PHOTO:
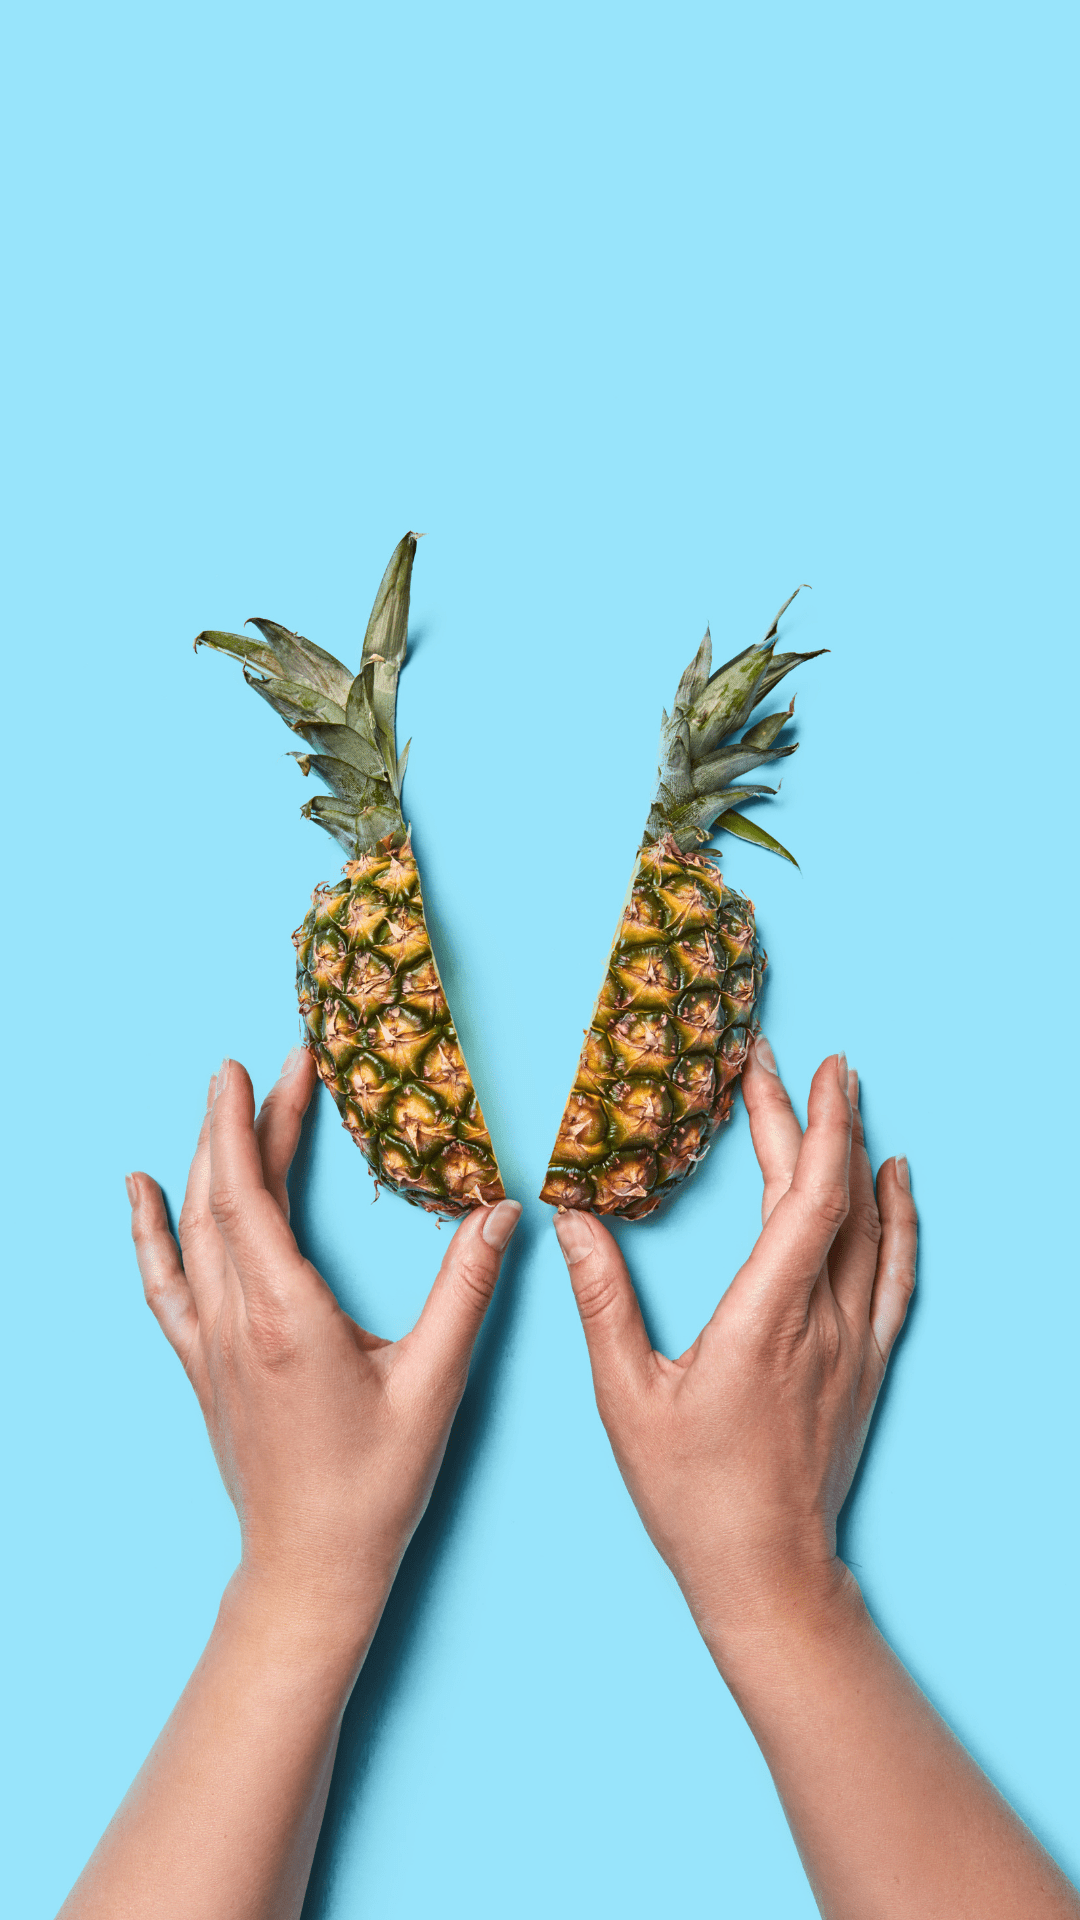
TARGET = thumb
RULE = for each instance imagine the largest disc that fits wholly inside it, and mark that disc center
(445, 1334)
(619, 1347)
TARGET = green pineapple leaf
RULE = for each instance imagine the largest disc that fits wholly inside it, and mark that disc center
(297, 705)
(765, 732)
(696, 678)
(717, 769)
(359, 714)
(353, 827)
(301, 660)
(346, 781)
(744, 829)
(385, 643)
(346, 744)
(771, 635)
(241, 647)
(779, 665)
(728, 700)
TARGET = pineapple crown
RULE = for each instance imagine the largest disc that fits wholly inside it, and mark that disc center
(696, 794)
(350, 721)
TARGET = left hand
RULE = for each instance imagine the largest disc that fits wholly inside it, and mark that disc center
(328, 1438)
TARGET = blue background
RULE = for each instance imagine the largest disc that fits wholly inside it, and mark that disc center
(644, 315)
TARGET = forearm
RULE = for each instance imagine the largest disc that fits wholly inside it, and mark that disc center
(224, 1816)
(892, 1818)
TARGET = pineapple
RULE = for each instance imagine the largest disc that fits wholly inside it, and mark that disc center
(673, 1023)
(374, 1011)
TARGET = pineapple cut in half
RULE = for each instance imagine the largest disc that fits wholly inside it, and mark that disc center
(672, 1026)
(374, 1012)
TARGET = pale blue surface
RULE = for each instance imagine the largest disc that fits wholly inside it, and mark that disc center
(644, 315)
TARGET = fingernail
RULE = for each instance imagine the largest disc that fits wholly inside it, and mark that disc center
(764, 1054)
(290, 1062)
(222, 1077)
(132, 1189)
(211, 1091)
(841, 1071)
(903, 1172)
(853, 1089)
(575, 1236)
(500, 1223)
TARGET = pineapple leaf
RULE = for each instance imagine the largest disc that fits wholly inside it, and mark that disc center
(297, 705)
(358, 712)
(346, 744)
(300, 660)
(696, 678)
(387, 628)
(252, 652)
(780, 664)
(718, 769)
(771, 635)
(692, 821)
(401, 766)
(355, 828)
(385, 643)
(728, 700)
(765, 732)
(346, 781)
(744, 829)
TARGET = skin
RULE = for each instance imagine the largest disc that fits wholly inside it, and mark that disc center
(328, 1440)
(739, 1456)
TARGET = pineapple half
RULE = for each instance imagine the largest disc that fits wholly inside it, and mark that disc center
(672, 1026)
(374, 1011)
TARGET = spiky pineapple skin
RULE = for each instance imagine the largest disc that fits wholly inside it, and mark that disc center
(384, 1043)
(669, 1038)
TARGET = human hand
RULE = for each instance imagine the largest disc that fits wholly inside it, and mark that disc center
(328, 1438)
(740, 1453)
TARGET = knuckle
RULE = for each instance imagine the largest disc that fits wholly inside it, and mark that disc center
(866, 1222)
(830, 1202)
(475, 1280)
(226, 1207)
(192, 1223)
(273, 1335)
(595, 1297)
(154, 1292)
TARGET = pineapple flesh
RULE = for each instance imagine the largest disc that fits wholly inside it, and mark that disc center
(374, 1012)
(672, 1026)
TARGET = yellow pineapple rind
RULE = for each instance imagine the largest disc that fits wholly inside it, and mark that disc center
(669, 1038)
(377, 1021)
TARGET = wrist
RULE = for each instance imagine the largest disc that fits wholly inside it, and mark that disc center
(306, 1623)
(773, 1606)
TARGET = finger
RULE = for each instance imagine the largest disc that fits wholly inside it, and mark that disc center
(445, 1334)
(165, 1285)
(795, 1240)
(277, 1128)
(895, 1282)
(252, 1226)
(620, 1350)
(774, 1129)
(200, 1242)
(853, 1260)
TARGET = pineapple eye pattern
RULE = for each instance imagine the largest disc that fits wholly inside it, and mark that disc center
(672, 1026)
(374, 1011)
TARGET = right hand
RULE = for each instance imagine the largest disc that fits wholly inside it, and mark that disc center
(740, 1453)
(328, 1438)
